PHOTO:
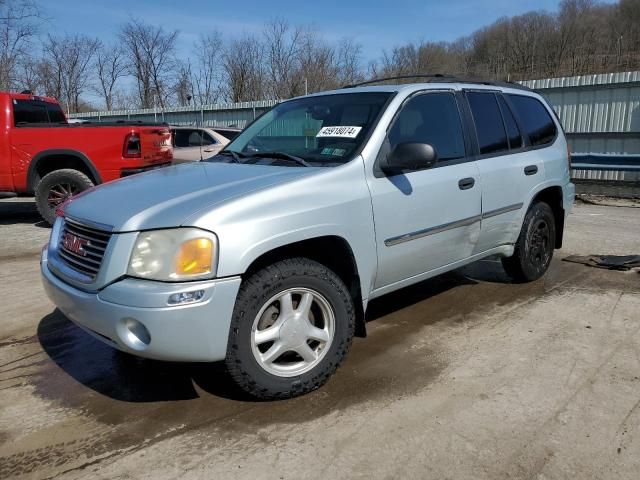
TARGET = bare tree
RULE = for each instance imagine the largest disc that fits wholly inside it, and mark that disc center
(244, 69)
(110, 67)
(317, 64)
(349, 61)
(183, 87)
(286, 60)
(48, 78)
(151, 60)
(207, 75)
(68, 60)
(281, 47)
(19, 24)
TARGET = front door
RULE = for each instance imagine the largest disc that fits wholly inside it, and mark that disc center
(429, 218)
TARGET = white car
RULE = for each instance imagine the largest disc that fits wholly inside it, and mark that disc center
(192, 144)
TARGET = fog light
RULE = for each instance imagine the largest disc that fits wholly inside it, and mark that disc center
(186, 297)
(135, 334)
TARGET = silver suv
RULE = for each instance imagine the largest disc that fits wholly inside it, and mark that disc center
(266, 255)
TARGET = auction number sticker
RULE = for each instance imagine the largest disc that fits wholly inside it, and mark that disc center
(344, 132)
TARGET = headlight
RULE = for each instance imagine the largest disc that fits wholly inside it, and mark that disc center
(175, 254)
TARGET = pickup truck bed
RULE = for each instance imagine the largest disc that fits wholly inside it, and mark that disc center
(42, 154)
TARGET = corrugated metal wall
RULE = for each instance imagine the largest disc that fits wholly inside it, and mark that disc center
(223, 115)
(600, 113)
(598, 110)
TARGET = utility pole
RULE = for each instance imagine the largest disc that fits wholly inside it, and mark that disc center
(619, 50)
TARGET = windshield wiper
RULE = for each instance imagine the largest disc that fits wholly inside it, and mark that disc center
(283, 155)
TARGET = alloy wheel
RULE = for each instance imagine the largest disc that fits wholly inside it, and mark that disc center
(292, 332)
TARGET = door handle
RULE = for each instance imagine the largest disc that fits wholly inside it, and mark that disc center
(531, 170)
(466, 183)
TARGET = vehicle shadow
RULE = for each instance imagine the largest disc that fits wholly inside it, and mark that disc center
(127, 378)
(484, 271)
(14, 211)
(121, 376)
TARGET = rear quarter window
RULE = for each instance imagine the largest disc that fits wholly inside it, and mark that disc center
(27, 112)
(535, 119)
(492, 137)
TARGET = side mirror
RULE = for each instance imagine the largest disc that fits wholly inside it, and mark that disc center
(409, 156)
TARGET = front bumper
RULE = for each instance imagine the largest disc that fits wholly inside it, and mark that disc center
(195, 332)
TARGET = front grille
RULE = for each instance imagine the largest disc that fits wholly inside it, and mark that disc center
(88, 257)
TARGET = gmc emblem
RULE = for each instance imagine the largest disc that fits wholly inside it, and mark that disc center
(74, 244)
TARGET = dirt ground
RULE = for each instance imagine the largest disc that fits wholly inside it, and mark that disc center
(465, 376)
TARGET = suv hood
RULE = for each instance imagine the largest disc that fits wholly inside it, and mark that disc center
(165, 197)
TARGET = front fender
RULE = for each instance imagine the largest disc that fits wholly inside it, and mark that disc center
(334, 203)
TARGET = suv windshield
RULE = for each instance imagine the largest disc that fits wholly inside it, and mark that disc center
(321, 130)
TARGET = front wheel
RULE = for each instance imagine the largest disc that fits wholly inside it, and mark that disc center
(292, 326)
(56, 187)
(534, 247)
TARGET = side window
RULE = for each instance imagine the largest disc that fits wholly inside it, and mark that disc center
(492, 137)
(181, 138)
(535, 119)
(208, 139)
(431, 118)
(55, 113)
(513, 132)
(198, 138)
(28, 111)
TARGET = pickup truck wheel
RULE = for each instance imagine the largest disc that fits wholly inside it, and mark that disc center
(56, 187)
(534, 247)
(292, 326)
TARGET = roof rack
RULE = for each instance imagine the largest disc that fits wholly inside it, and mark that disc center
(442, 78)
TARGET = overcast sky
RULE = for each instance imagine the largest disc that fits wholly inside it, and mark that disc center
(375, 24)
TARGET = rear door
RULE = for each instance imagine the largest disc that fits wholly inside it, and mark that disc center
(508, 173)
(429, 218)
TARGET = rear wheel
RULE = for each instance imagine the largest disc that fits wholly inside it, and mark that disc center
(56, 187)
(292, 326)
(534, 248)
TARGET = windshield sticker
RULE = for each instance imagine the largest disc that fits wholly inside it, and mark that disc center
(345, 132)
(327, 151)
(339, 152)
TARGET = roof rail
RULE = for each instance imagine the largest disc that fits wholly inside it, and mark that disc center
(443, 78)
(439, 76)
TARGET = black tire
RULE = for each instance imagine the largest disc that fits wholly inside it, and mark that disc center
(534, 247)
(255, 292)
(56, 187)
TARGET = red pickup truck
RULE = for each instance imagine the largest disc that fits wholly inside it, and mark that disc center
(42, 154)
